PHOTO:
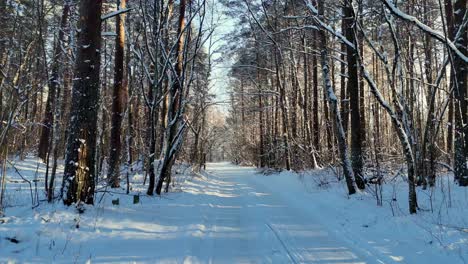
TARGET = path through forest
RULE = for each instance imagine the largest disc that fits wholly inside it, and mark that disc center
(245, 222)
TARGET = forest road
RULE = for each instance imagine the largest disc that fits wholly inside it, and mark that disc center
(248, 221)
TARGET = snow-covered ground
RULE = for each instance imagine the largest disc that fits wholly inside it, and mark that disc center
(234, 214)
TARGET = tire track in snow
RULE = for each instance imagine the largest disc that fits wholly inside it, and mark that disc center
(290, 256)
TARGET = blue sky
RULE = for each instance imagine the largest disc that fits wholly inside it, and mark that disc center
(223, 25)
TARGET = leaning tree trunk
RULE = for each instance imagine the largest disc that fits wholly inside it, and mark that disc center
(80, 169)
(175, 94)
(118, 101)
(340, 133)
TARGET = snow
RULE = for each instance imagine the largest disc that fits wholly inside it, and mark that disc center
(108, 34)
(386, 233)
(232, 214)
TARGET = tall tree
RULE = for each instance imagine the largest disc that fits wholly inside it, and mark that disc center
(353, 87)
(119, 97)
(315, 95)
(460, 91)
(175, 94)
(80, 164)
(53, 85)
(343, 145)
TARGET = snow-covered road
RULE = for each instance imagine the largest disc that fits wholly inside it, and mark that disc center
(246, 222)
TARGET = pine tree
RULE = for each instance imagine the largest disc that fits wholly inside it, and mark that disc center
(80, 164)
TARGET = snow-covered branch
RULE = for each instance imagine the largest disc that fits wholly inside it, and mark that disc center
(115, 13)
(434, 33)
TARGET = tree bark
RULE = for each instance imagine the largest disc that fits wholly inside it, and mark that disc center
(460, 91)
(80, 169)
(315, 101)
(353, 87)
(175, 93)
(343, 146)
(118, 101)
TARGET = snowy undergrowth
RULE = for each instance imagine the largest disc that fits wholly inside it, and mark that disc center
(440, 227)
(34, 231)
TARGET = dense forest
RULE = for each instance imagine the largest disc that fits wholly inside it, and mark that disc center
(361, 84)
(85, 82)
(95, 94)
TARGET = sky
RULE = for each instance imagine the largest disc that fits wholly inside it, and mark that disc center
(224, 25)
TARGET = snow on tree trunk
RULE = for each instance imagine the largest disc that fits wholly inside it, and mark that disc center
(341, 136)
(80, 161)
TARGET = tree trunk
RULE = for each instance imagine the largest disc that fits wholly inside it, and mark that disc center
(54, 83)
(315, 101)
(175, 93)
(305, 113)
(451, 31)
(344, 92)
(353, 87)
(118, 101)
(343, 146)
(428, 148)
(460, 91)
(284, 112)
(80, 169)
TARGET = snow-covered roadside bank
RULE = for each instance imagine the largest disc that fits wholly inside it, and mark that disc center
(107, 232)
(437, 235)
